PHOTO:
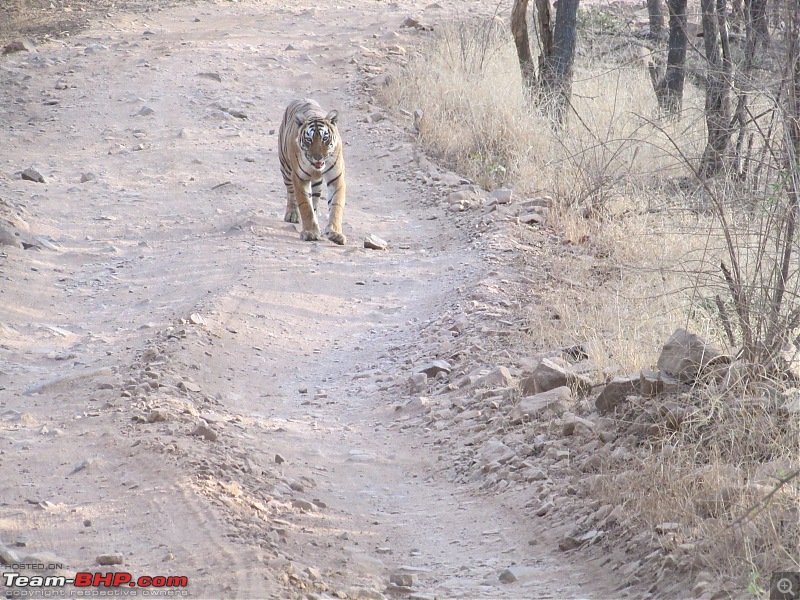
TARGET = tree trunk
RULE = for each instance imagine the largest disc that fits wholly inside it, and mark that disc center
(557, 73)
(519, 28)
(655, 9)
(669, 87)
(757, 17)
(544, 21)
(718, 86)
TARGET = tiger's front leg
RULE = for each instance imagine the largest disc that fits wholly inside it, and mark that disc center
(291, 215)
(336, 198)
(308, 216)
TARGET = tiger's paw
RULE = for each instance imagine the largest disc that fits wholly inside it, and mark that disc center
(336, 237)
(292, 216)
(310, 236)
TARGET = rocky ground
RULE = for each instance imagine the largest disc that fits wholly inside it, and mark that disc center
(187, 389)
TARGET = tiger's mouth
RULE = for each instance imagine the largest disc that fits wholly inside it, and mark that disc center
(318, 164)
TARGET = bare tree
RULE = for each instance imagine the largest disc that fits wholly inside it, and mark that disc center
(668, 84)
(719, 84)
(552, 82)
(519, 29)
(556, 76)
(655, 10)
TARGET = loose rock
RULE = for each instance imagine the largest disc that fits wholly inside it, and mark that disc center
(685, 355)
(433, 368)
(501, 196)
(110, 559)
(205, 432)
(402, 578)
(24, 45)
(556, 400)
(373, 242)
(32, 174)
(616, 391)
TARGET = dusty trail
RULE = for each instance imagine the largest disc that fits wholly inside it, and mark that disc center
(300, 350)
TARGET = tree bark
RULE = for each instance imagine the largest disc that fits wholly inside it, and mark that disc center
(655, 10)
(718, 86)
(557, 73)
(519, 28)
(757, 17)
(544, 22)
(669, 87)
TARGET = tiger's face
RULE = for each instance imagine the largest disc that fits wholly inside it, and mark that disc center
(317, 139)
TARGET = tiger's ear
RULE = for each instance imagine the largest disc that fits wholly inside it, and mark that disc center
(299, 120)
(332, 116)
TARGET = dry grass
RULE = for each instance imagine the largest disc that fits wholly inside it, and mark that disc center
(642, 245)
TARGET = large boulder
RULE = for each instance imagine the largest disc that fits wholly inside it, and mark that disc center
(685, 355)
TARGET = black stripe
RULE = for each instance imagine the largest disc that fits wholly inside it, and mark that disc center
(334, 179)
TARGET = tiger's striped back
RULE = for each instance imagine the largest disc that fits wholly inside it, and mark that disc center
(310, 153)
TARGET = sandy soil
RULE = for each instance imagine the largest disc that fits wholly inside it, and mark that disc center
(186, 383)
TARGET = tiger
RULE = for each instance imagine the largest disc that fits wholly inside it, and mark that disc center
(310, 152)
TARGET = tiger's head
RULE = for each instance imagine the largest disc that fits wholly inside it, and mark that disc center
(318, 138)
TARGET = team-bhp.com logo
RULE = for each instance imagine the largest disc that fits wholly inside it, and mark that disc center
(90, 584)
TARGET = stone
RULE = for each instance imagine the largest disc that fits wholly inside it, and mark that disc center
(497, 377)
(544, 508)
(205, 432)
(363, 593)
(413, 22)
(402, 578)
(569, 542)
(418, 382)
(31, 174)
(685, 356)
(433, 368)
(279, 459)
(115, 558)
(508, 576)
(157, 415)
(501, 195)
(145, 111)
(209, 75)
(531, 218)
(85, 177)
(659, 382)
(304, 505)
(572, 421)
(497, 451)
(556, 401)
(8, 237)
(373, 242)
(23, 45)
(549, 375)
(592, 463)
(8, 556)
(616, 391)
(188, 386)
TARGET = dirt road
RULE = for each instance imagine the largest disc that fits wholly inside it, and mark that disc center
(187, 385)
